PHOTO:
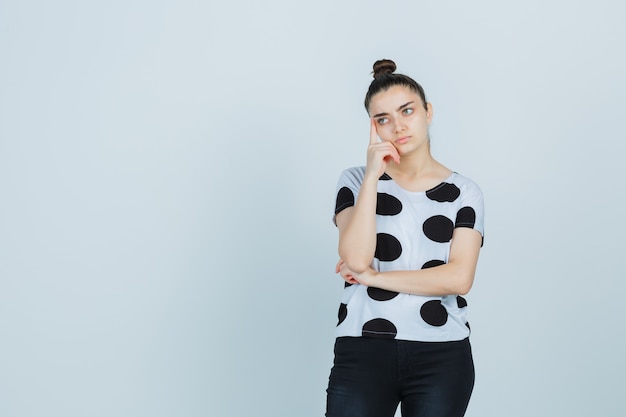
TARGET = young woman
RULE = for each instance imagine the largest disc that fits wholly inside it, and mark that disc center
(410, 231)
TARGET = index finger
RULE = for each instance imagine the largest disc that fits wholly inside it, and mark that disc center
(373, 132)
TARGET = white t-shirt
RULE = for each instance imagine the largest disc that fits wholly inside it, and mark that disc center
(414, 230)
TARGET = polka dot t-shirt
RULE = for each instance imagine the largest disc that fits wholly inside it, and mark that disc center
(414, 230)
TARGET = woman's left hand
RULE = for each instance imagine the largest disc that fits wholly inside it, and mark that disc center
(364, 278)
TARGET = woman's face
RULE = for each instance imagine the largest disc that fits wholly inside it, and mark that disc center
(401, 118)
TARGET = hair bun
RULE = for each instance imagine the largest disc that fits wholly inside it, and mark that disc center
(383, 66)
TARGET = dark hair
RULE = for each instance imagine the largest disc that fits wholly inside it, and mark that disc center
(385, 78)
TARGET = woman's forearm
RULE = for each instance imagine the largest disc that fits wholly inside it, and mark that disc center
(441, 280)
(454, 277)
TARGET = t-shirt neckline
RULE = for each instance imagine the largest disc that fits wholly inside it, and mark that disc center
(444, 181)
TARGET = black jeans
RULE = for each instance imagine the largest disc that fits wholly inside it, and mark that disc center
(371, 376)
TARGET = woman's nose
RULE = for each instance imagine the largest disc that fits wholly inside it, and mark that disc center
(398, 126)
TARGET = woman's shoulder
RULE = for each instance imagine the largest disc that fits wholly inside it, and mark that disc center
(352, 175)
(461, 180)
(354, 171)
(468, 189)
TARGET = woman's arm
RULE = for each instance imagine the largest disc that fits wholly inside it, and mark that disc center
(357, 228)
(454, 278)
(357, 224)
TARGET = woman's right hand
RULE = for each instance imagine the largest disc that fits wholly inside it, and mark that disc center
(379, 153)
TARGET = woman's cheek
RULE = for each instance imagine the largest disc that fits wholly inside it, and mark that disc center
(383, 133)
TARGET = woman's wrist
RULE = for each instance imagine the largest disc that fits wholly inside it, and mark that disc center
(369, 277)
(370, 178)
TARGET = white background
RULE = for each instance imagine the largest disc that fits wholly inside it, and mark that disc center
(167, 179)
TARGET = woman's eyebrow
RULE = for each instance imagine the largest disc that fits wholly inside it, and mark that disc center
(399, 108)
(404, 105)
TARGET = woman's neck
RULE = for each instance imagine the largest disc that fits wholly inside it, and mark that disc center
(414, 165)
(418, 172)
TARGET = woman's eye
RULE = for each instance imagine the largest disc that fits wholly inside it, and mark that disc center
(408, 110)
(382, 120)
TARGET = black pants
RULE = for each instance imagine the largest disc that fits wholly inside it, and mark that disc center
(371, 376)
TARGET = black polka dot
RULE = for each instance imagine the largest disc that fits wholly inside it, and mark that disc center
(347, 284)
(438, 228)
(467, 325)
(387, 205)
(388, 248)
(384, 177)
(343, 312)
(379, 294)
(444, 192)
(345, 199)
(465, 217)
(461, 302)
(379, 328)
(433, 263)
(434, 313)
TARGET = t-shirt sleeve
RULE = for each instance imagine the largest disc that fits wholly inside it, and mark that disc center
(471, 213)
(347, 190)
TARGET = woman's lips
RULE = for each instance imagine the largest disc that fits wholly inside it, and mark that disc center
(402, 140)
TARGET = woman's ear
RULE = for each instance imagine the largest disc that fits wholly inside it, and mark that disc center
(429, 112)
